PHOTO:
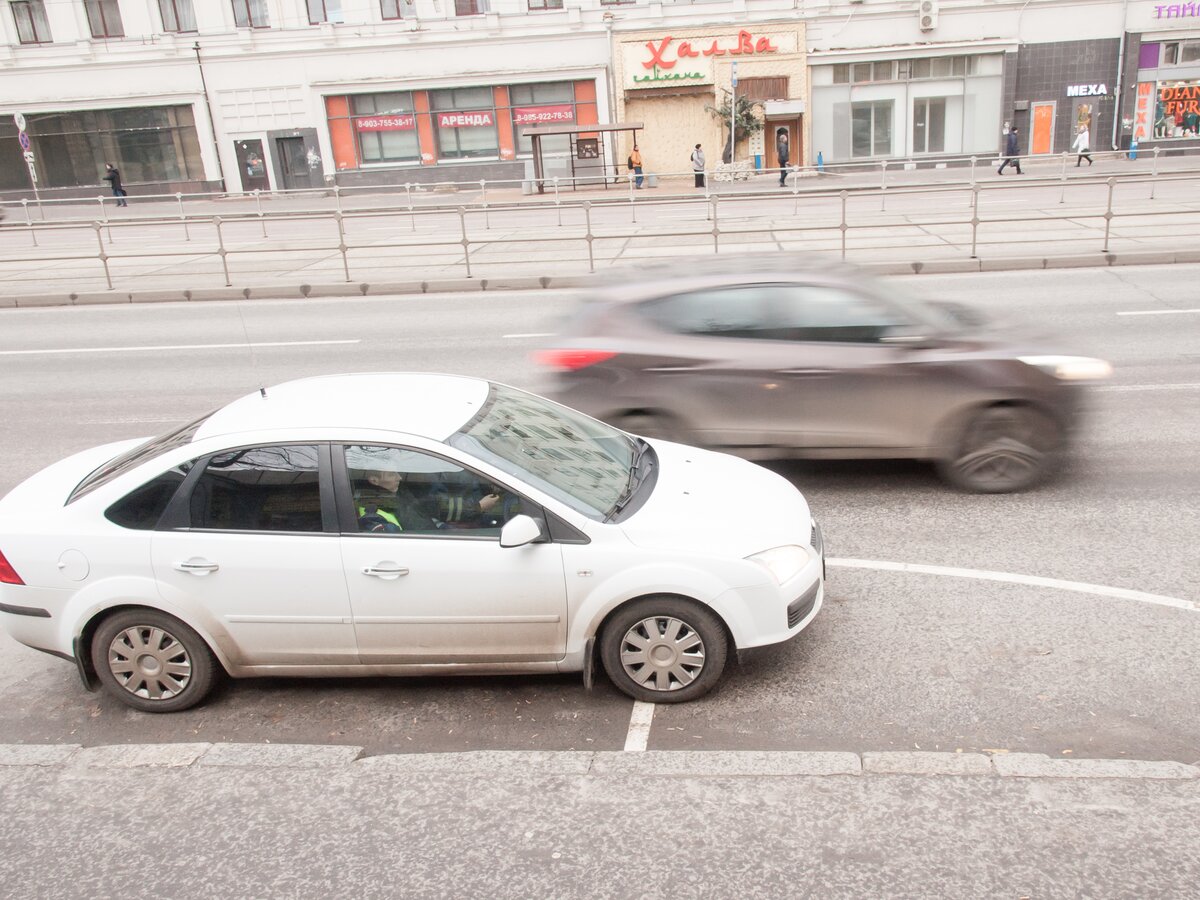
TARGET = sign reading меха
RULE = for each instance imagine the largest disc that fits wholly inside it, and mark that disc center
(670, 61)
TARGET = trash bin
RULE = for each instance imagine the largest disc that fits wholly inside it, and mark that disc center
(526, 188)
(651, 180)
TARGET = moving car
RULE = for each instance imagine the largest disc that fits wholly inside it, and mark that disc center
(405, 524)
(770, 356)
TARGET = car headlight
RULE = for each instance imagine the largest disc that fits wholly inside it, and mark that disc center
(1071, 368)
(783, 563)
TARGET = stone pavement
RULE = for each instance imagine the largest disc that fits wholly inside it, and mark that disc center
(214, 820)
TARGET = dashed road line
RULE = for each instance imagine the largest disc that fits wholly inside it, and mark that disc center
(173, 347)
(1157, 312)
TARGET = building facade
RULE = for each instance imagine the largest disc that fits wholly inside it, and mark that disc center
(212, 95)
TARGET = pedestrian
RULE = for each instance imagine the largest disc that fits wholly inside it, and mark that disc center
(635, 165)
(1011, 149)
(698, 165)
(113, 177)
(1082, 146)
(783, 151)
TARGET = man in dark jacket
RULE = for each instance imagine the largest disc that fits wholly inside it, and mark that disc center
(113, 177)
(1011, 149)
(783, 151)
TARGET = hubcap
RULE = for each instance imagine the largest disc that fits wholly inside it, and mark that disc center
(1003, 449)
(149, 662)
(662, 653)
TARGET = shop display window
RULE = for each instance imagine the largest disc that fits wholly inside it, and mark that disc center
(543, 104)
(871, 128)
(464, 121)
(1177, 111)
(386, 129)
(929, 125)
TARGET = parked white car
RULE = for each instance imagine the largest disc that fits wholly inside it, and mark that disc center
(403, 524)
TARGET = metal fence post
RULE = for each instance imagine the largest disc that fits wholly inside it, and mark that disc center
(587, 217)
(462, 221)
(883, 185)
(1154, 174)
(182, 217)
(632, 206)
(487, 221)
(258, 206)
(974, 159)
(102, 255)
(1108, 213)
(412, 218)
(29, 222)
(342, 248)
(558, 203)
(104, 217)
(974, 220)
(716, 229)
(843, 195)
(221, 251)
(1063, 196)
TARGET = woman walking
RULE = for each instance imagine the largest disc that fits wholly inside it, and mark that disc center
(1082, 146)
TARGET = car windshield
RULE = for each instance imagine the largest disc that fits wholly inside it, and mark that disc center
(575, 459)
(926, 312)
(118, 465)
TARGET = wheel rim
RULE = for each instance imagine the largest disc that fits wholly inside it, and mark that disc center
(1002, 450)
(662, 653)
(149, 662)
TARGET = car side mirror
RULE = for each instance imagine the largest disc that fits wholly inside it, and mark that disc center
(519, 531)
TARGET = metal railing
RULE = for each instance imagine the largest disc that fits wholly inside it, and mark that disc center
(498, 233)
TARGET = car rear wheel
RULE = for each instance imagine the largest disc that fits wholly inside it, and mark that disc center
(663, 650)
(1003, 449)
(152, 661)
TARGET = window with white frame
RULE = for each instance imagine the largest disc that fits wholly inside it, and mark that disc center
(251, 14)
(871, 128)
(177, 15)
(537, 5)
(397, 9)
(470, 7)
(929, 125)
(104, 18)
(324, 11)
(30, 16)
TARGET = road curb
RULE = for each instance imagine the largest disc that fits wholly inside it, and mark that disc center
(592, 764)
(490, 284)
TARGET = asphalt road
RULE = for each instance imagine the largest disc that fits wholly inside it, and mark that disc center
(898, 660)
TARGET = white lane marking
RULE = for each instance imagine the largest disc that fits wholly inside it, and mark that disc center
(1014, 578)
(532, 334)
(1147, 387)
(1157, 312)
(639, 726)
(175, 347)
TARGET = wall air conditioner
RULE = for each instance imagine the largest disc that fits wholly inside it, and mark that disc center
(928, 12)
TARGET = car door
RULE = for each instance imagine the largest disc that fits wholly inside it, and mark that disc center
(245, 546)
(431, 584)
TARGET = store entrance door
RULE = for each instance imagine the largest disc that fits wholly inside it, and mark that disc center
(795, 151)
(252, 166)
(293, 162)
(1041, 130)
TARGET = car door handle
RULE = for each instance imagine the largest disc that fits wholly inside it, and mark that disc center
(196, 566)
(813, 372)
(388, 573)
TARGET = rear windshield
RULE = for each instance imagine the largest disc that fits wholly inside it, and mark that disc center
(119, 465)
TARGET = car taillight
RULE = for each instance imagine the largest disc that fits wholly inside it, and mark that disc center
(8, 575)
(571, 360)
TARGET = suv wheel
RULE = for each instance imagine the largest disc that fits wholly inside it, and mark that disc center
(152, 661)
(1002, 449)
(663, 649)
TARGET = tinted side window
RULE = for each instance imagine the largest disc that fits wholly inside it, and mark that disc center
(143, 507)
(810, 312)
(722, 312)
(259, 489)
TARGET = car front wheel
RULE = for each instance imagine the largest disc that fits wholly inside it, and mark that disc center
(152, 661)
(664, 650)
(1003, 449)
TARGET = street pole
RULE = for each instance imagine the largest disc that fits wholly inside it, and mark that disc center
(733, 114)
(212, 123)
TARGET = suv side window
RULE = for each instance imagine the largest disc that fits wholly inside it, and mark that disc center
(401, 491)
(737, 312)
(814, 312)
(260, 489)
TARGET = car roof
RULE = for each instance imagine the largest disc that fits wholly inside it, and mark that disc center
(418, 403)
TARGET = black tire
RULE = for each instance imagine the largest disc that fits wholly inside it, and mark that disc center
(174, 662)
(1004, 449)
(679, 676)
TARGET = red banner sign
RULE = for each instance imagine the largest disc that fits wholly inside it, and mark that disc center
(666, 52)
(406, 122)
(465, 119)
(532, 115)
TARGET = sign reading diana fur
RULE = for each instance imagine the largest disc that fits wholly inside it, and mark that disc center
(668, 60)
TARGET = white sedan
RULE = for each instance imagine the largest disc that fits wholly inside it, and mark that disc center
(403, 524)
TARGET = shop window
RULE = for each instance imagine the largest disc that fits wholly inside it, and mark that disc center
(536, 5)
(30, 16)
(465, 121)
(397, 9)
(543, 104)
(177, 15)
(470, 7)
(920, 68)
(841, 73)
(871, 128)
(1170, 56)
(386, 127)
(104, 18)
(250, 14)
(324, 11)
(929, 125)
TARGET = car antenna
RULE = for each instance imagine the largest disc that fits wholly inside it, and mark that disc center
(262, 388)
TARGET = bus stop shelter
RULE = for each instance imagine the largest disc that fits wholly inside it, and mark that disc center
(582, 148)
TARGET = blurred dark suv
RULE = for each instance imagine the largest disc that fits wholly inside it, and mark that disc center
(776, 358)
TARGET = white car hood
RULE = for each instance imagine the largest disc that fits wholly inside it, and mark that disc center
(712, 503)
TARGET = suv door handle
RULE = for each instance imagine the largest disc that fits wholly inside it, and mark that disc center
(386, 572)
(196, 566)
